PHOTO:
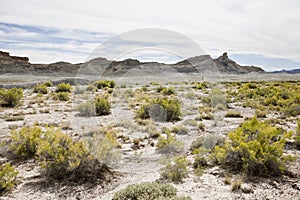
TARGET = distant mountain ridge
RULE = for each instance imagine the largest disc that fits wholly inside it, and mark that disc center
(292, 71)
(222, 64)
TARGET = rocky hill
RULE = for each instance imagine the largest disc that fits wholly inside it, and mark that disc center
(223, 64)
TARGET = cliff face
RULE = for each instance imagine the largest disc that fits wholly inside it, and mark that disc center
(21, 65)
(227, 65)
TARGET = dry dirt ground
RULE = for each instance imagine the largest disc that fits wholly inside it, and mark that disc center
(143, 164)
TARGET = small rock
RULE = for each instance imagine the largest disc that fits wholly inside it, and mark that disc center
(246, 188)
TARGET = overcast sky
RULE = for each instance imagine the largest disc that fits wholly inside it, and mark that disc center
(259, 32)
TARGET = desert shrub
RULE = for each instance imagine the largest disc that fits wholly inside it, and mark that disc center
(10, 97)
(149, 191)
(60, 155)
(297, 137)
(206, 116)
(200, 86)
(103, 146)
(176, 170)
(256, 148)
(25, 141)
(236, 184)
(180, 130)
(8, 176)
(234, 114)
(63, 96)
(292, 110)
(102, 106)
(168, 107)
(201, 158)
(261, 113)
(79, 89)
(105, 84)
(63, 87)
(165, 90)
(218, 99)
(87, 109)
(41, 89)
(209, 141)
(48, 84)
(110, 90)
(12, 118)
(169, 144)
(91, 88)
(201, 126)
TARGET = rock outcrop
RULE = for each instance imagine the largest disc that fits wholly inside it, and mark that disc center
(102, 66)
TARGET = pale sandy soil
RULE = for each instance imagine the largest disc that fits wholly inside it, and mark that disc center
(141, 165)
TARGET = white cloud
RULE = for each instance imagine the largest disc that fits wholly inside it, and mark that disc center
(266, 27)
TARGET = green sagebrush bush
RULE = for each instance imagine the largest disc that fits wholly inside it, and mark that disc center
(256, 148)
(24, 142)
(60, 156)
(87, 109)
(63, 87)
(41, 89)
(99, 106)
(149, 191)
(169, 144)
(297, 138)
(63, 96)
(170, 107)
(48, 84)
(165, 90)
(102, 106)
(10, 97)
(8, 176)
(175, 170)
(105, 84)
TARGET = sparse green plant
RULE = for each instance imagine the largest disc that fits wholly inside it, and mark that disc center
(236, 184)
(256, 148)
(152, 130)
(201, 126)
(149, 191)
(63, 96)
(91, 88)
(41, 89)
(261, 113)
(233, 114)
(79, 89)
(63, 87)
(102, 146)
(102, 106)
(175, 170)
(101, 84)
(8, 175)
(24, 142)
(61, 156)
(169, 144)
(167, 91)
(10, 97)
(180, 130)
(200, 86)
(171, 108)
(87, 109)
(201, 158)
(14, 118)
(48, 84)
(297, 137)
(227, 180)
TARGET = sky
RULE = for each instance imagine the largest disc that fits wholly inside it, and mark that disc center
(263, 33)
